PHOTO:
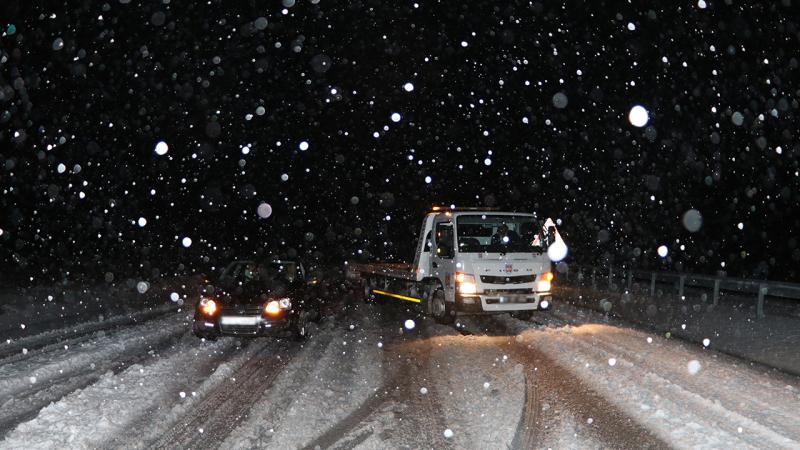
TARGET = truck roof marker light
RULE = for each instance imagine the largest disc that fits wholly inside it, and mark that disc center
(397, 296)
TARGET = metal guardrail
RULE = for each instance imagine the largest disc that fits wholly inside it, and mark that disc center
(716, 284)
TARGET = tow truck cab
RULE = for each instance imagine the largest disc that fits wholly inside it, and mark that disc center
(486, 261)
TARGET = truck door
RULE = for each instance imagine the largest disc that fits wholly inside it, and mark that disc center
(442, 266)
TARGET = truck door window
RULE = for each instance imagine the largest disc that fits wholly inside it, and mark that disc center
(444, 240)
(428, 242)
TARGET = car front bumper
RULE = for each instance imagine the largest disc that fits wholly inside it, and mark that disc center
(241, 326)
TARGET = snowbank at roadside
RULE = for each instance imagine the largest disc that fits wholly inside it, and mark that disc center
(731, 326)
(692, 398)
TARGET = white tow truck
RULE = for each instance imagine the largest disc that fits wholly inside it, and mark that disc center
(470, 261)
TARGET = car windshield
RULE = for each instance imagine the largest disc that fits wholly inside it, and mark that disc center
(245, 273)
(478, 233)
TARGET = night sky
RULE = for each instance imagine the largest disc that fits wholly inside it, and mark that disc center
(519, 105)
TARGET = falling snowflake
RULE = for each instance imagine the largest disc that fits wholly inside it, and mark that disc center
(638, 116)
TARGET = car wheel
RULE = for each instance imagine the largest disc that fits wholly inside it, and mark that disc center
(304, 327)
(442, 313)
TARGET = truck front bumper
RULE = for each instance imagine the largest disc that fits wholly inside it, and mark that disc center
(500, 302)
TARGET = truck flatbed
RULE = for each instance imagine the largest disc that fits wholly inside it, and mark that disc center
(400, 271)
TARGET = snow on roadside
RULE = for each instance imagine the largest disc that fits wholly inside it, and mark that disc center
(95, 354)
(57, 338)
(731, 326)
(722, 404)
(25, 312)
(336, 372)
(90, 417)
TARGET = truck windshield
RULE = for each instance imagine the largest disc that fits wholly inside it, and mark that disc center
(497, 234)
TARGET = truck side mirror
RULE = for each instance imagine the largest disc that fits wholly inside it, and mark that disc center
(551, 235)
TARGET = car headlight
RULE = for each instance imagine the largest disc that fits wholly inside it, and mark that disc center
(208, 306)
(543, 286)
(466, 283)
(274, 307)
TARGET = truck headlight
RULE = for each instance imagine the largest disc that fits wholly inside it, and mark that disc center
(466, 283)
(543, 286)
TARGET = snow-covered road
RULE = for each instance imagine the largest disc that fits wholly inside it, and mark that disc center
(569, 379)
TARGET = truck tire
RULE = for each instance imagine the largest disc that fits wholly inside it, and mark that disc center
(441, 311)
(522, 315)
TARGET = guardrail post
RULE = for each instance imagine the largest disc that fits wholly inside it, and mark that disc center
(716, 292)
(594, 279)
(762, 291)
(630, 279)
(681, 282)
(652, 285)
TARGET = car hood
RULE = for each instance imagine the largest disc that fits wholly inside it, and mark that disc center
(244, 295)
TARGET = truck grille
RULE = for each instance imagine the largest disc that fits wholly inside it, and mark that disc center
(507, 291)
(491, 279)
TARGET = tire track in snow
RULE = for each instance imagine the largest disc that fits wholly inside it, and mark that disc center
(14, 376)
(56, 339)
(721, 399)
(215, 416)
(547, 382)
(608, 423)
(399, 396)
(26, 403)
(530, 427)
(414, 416)
(198, 371)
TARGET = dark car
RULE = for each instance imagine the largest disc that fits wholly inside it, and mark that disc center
(252, 298)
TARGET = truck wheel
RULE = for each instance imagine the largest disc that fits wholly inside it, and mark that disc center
(440, 310)
(522, 315)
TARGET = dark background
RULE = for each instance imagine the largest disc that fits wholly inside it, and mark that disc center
(135, 72)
